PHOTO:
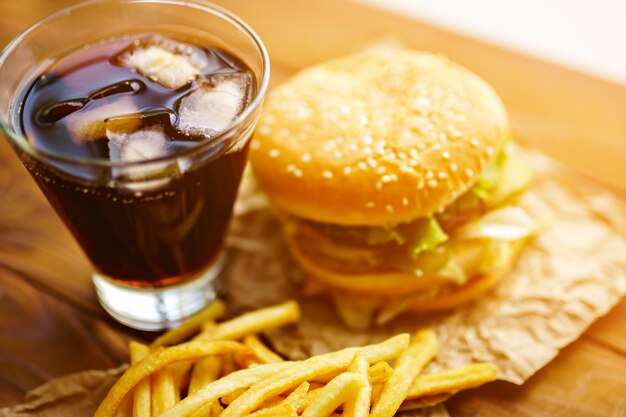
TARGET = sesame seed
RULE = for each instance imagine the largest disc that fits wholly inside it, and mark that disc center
(371, 162)
(345, 109)
(364, 120)
(338, 154)
(303, 136)
(432, 183)
(347, 170)
(437, 146)
(489, 150)
(283, 132)
(389, 208)
(379, 185)
(367, 151)
(405, 201)
(430, 175)
(401, 155)
(362, 165)
(442, 175)
(421, 146)
(456, 134)
(443, 136)
(327, 174)
(255, 145)
(306, 157)
(413, 153)
(265, 130)
(273, 153)
(380, 170)
(420, 185)
(453, 167)
(353, 147)
(469, 172)
(291, 168)
(386, 178)
(368, 140)
(419, 272)
(297, 172)
(445, 155)
(370, 204)
(474, 142)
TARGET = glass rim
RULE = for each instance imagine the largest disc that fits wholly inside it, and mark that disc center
(19, 139)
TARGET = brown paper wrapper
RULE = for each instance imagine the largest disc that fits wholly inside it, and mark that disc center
(571, 274)
(75, 395)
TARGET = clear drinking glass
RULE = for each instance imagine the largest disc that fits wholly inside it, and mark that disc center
(152, 229)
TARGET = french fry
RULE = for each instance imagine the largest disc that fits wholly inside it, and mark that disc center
(453, 380)
(228, 365)
(336, 392)
(358, 405)
(190, 327)
(141, 393)
(377, 373)
(224, 386)
(126, 407)
(164, 392)
(216, 409)
(280, 410)
(245, 359)
(158, 360)
(422, 350)
(229, 398)
(182, 374)
(204, 372)
(294, 400)
(309, 369)
(253, 322)
(261, 352)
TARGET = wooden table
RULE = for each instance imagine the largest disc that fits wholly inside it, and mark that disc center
(51, 323)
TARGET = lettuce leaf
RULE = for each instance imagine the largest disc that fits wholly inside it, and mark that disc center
(423, 235)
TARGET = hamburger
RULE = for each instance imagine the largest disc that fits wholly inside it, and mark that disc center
(395, 180)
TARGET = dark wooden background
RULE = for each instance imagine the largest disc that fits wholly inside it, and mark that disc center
(51, 323)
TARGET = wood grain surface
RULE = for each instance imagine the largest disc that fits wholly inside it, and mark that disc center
(51, 324)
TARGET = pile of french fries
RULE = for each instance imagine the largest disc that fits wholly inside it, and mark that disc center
(208, 369)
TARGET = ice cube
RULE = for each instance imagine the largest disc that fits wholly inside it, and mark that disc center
(127, 123)
(166, 61)
(139, 145)
(212, 107)
(89, 124)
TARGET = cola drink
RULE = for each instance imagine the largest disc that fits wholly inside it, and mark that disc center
(147, 168)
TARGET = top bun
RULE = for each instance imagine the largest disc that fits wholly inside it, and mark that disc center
(376, 138)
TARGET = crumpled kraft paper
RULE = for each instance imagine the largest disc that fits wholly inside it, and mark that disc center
(73, 395)
(574, 272)
(571, 274)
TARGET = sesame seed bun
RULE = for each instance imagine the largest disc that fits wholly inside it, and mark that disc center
(376, 138)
